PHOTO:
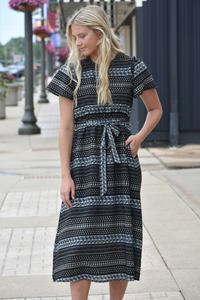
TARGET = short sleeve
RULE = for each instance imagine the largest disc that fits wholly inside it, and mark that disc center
(142, 78)
(61, 84)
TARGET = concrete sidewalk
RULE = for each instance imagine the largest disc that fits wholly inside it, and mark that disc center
(30, 203)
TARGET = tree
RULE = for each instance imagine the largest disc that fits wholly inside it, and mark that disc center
(15, 46)
(1, 52)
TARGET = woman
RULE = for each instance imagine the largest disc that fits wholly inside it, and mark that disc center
(99, 235)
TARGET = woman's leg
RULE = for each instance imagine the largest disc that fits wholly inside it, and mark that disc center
(80, 289)
(117, 289)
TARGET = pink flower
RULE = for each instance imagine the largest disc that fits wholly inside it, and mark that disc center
(41, 29)
(19, 4)
(7, 78)
(64, 53)
(50, 48)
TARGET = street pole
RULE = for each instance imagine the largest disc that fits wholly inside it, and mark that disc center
(43, 97)
(29, 119)
(34, 87)
(49, 64)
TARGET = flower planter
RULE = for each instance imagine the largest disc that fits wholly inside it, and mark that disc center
(30, 7)
(2, 103)
(42, 31)
(12, 95)
(23, 5)
(26, 7)
(43, 35)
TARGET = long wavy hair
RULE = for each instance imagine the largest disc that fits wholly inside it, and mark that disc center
(96, 19)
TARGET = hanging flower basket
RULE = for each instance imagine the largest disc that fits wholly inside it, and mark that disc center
(64, 53)
(22, 5)
(50, 49)
(26, 7)
(42, 31)
(43, 35)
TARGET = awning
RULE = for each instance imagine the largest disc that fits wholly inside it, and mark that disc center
(115, 9)
(91, 1)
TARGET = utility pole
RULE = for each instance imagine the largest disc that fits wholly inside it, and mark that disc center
(43, 97)
(29, 119)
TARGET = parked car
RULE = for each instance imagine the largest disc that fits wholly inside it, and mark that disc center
(16, 70)
(3, 69)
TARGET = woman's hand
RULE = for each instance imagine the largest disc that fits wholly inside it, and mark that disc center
(67, 187)
(134, 142)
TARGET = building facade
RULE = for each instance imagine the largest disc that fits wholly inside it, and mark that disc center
(166, 36)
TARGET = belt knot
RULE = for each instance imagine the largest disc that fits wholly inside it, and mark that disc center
(110, 129)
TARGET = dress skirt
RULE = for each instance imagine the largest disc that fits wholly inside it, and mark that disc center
(100, 237)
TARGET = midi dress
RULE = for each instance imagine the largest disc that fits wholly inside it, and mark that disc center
(100, 237)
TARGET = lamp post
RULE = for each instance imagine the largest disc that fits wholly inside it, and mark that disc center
(43, 97)
(49, 64)
(29, 119)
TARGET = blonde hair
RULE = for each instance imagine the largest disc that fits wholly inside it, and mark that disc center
(96, 19)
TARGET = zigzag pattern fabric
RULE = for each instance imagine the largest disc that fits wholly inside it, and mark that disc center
(100, 237)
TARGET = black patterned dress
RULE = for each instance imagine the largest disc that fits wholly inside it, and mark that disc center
(100, 237)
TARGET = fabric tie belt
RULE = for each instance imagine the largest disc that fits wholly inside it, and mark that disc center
(111, 128)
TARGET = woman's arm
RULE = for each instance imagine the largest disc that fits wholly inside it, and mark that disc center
(66, 132)
(154, 108)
